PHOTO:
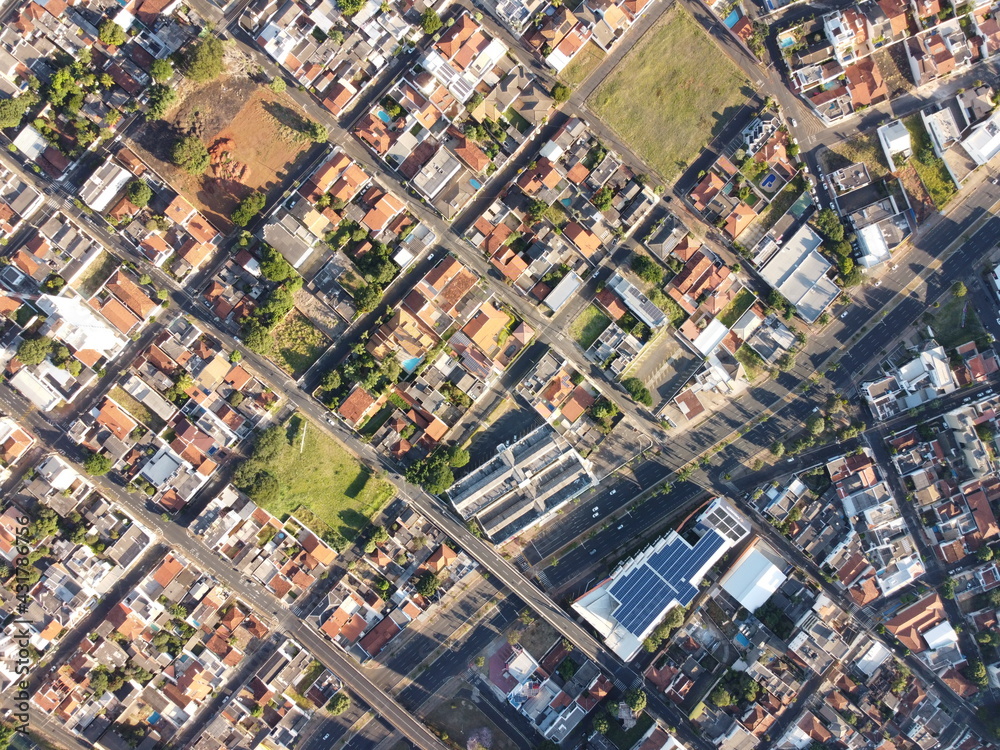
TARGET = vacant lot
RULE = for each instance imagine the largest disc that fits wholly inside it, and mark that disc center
(297, 344)
(136, 409)
(100, 270)
(586, 328)
(467, 726)
(862, 148)
(929, 165)
(254, 136)
(324, 486)
(671, 93)
(950, 329)
(735, 309)
(586, 62)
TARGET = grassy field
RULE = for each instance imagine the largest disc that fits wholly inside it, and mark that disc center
(586, 328)
(297, 344)
(861, 148)
(735, 309)
(324, 486)
(585, 63)
(781, 203)
(674, 312)
(928, 165)
(947, 323)
(97, 273)
(137, 409)
(671, 93)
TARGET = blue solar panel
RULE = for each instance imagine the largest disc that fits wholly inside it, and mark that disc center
(644, 593)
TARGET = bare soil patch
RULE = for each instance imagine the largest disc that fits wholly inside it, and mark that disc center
(920, 199)
(253, 136)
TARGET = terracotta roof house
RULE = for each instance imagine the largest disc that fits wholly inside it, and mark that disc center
(706, 190)
(909, 623)
(112, 416)
(358, 405)
(442, 557)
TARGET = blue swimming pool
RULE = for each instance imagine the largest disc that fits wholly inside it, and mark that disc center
(411, 364)
(384, 116)
(733, 18)
(153, 717)
(742, 640)
(768, 181)
(475, 183)
(567, 202)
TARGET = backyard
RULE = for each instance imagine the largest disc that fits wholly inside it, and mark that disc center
(735, 309)
(586, 62)
(297, 344)
(321, 481)
(588, 326)
(260, 153)
(667, 106)
(928, 165)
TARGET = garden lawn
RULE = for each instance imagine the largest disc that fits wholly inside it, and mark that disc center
(751, 361)
(467, 726)
(297, 343)
(673, 91)
(324, 486)
(588, 326)
(929, 165)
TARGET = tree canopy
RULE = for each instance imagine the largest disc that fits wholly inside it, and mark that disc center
(561, 92)
(427, 585)
(161, 97)
(273, 265)
(12, 111)
(97, 464)
(190, 154)
(635, 699)
(161, 70)
(339, 703)
(646, 268)
(249, 207)
(203, 60)
(33, 351)
(139, 193)
(458, 457)
(430, 21)
(111, 33)
(638, 391)
(350, 7)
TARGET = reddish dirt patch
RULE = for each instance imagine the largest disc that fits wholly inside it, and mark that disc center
(254, 139)
(923, 206)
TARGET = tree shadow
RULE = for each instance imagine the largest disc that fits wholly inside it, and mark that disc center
(286, 116)
(353, 522)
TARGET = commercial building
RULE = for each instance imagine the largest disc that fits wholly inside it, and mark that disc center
(800, 274)
(626, 607)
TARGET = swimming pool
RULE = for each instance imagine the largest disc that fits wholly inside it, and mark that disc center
(733, 18)
(411, 364)
(475, 183)
(384, 116)
(801, 205)
(768, 182)
(742, 640)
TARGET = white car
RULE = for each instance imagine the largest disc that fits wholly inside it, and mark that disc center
(612, 492)
(595, 508)
(621, 526)
(791, 121)
(878, 283)
(843, 315)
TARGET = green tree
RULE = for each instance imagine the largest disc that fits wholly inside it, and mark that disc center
(33, 351)
(161, 70)
(984, 553)
(561, 92)
(458, 457)
(959, 289)
(99, 680)
(778, 449)
(828, 224)
(190, 154)
(111, 33)
(341, 701)
(976, 672)
(635, 699)
(273, 265)
(12, 110)
(139, 193)
(203, 60)
(430, 21)
(427, 585)
(815, 424)
(161, 97)
(367, 298)
(249, 207)
(948, 588)
(638, 391)
(278, 85)
(601, 724)
(97, 464)
(721, 697)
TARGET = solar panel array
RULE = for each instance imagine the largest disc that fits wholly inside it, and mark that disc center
(645, 592)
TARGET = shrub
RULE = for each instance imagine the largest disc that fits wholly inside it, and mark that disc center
(190, 154)
(341, 701)
(638, 391)
(278, 85)
(427, 585)
(249, 207)
(646, 269)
